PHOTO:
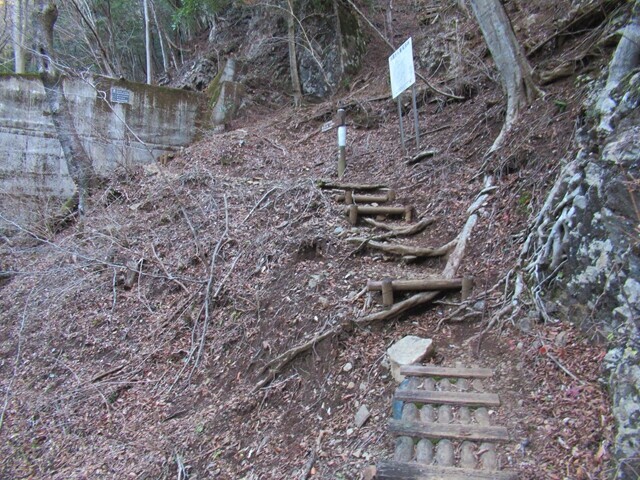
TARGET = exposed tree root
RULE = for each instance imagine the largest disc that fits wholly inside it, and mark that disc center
(398, 231)
(404, 250)
(276, 365)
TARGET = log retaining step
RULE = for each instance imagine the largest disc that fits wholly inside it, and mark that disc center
(453, 431)
(445, 372)
(354, 211)
(389, 470)
(466, 399)
(349, 197)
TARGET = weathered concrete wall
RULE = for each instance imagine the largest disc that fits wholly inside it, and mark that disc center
(153, 121)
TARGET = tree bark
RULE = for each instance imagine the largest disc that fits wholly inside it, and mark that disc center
(336, 12)
(78, 162)
(165, 56)
(510, 60)
(19, 34)
(293, 58)
(147, 41)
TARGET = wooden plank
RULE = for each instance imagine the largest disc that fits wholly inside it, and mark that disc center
(444, 372)
(389, 470)
(451, 431)
(467, 399)
(330, 184)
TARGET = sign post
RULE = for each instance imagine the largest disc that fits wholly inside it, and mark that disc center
(342, 142)
(403, 76)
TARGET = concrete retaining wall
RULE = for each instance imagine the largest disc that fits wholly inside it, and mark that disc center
(119, 123)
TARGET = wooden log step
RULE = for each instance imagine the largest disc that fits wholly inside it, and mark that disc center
(452, 431)
(413, 471)
(444, 372)
(417, 285)
(467, 399)
(331, 185)
(349, 197)
(354, 211)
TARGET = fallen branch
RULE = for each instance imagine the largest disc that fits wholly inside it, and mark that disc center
(278, 363)
(563, 368)
(421, 156)
(312, 458)
(99, 377)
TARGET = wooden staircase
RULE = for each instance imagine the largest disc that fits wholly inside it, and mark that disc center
(443, 427)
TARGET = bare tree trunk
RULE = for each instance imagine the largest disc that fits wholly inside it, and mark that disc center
(512, 64)
(78, 163)
(165, 56)
(147, 41)
(19, 34)
(293, 58)
(388, 23)
(336, 12)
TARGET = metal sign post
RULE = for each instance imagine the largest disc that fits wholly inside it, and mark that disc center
(403, 76)
(404, 147)
(342, 142)
(415, 115)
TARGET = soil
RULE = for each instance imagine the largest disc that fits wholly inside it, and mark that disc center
(132, 341)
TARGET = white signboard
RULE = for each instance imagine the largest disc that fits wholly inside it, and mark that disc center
(401, 68)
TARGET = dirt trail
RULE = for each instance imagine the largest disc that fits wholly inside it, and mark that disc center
(131, 345)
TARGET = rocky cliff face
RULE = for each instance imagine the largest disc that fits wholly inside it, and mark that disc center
(600, 281)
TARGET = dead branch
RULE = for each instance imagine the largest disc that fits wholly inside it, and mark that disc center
(99, 377)
(563, 368)
(278, 363)
(166, 272)
(421, 156)
(404, 250)
(312, 458)
(454, 318)
(262, 199)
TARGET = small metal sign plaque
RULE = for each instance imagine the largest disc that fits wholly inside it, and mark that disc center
(328, 126)
(120, 95)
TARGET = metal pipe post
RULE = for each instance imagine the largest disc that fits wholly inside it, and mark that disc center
(342, 142)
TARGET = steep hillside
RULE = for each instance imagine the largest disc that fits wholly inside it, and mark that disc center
(139, 341)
